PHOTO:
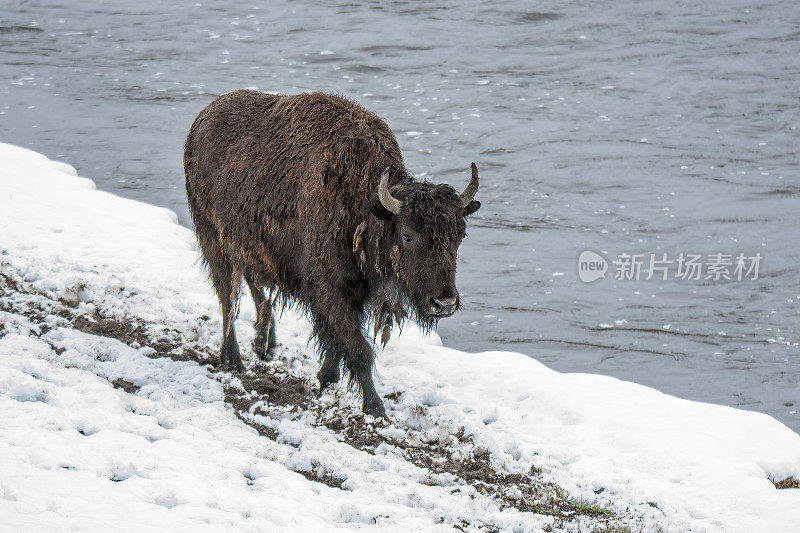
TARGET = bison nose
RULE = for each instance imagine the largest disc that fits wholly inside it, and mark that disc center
(442, 306)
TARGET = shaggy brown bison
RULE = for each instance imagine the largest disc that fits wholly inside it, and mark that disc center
(306, 197)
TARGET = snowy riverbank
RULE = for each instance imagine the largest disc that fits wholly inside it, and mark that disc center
(98, 429)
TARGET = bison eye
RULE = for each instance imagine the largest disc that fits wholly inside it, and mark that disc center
(407, 238)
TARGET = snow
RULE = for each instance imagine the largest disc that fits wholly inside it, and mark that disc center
(78, 453)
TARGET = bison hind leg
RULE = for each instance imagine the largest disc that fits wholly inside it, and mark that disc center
(229, 352)
(264, 343)
(226, 282)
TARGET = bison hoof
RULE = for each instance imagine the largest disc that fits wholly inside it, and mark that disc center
(374, 408)
(328, 377)
(265, 346)
(230, 356)
(263, 353)
(233, 365)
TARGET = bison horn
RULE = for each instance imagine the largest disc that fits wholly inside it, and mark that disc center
(469, 193)
(388, 201)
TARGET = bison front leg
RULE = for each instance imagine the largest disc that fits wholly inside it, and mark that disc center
(371, 404)
(329, 371)
(346, 343)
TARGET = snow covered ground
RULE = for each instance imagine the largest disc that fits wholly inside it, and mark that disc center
(98, 429)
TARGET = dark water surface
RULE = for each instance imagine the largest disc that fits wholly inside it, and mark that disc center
(619, 127)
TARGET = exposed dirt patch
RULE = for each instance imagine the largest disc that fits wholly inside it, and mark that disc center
(30, 308)
(127, 332)
(127, 386)
(134, 333)
(275, 389)
(264, 431)
(525, 492)
(788, 483)
(131, 331)
(320, 475)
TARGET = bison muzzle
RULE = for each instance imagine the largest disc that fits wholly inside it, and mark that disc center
(307, 198)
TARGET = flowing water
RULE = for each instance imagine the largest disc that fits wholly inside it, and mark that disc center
(646, 128)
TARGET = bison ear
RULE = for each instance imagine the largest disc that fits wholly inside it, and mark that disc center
(377, 209)
(473, 206)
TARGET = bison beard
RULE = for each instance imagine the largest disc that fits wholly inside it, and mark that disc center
(306, 197)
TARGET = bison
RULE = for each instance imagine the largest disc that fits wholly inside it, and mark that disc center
(307, 198)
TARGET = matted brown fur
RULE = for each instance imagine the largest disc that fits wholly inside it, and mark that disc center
(277, 187)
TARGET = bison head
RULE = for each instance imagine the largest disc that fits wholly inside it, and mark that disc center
(425, 225)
